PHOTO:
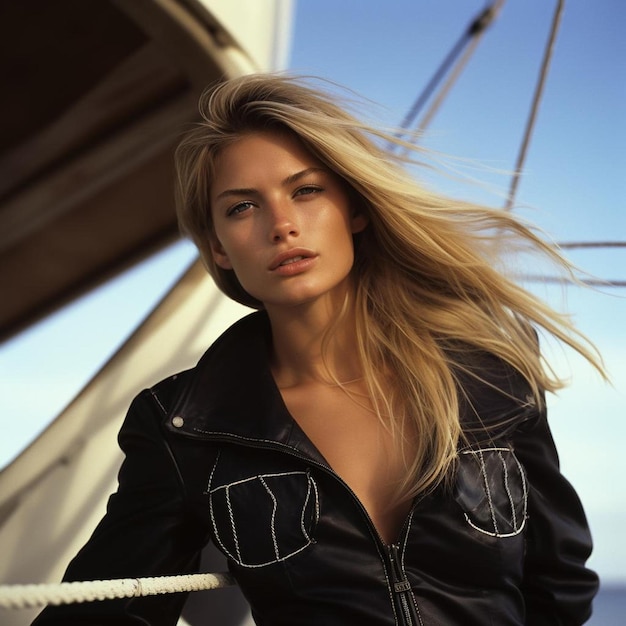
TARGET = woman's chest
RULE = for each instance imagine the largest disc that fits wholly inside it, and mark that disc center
(359, 448)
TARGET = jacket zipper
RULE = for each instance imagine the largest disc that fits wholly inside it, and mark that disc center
(403, 594)
(405, 605)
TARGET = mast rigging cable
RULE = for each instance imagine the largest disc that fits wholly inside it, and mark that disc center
(453, 64)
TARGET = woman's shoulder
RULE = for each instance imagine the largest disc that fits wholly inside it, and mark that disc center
(494, 397)
(165, 392)
(247, 335)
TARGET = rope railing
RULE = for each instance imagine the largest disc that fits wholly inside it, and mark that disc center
(31, 596)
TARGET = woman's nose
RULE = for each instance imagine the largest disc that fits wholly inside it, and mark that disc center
(283, 224)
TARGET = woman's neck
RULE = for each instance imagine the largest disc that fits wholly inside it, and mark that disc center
(302, 352)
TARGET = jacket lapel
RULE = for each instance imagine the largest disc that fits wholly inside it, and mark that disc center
(231, 394)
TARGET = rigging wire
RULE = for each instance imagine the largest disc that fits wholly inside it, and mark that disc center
(471, 37)
(590, 282)
(571, 245)
(453, 64)
(581, 245)
(519, 165)
(474, 35)
(555, 280)
(530, 124)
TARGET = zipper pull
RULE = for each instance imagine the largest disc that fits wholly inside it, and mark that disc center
(400, 583)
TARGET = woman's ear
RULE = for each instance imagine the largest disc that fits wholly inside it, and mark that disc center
(219, 254)
(358, 222)
(359, 217)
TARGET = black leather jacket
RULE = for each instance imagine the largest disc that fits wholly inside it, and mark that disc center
(213, 454)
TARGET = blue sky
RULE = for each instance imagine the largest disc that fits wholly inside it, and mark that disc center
(573, 187)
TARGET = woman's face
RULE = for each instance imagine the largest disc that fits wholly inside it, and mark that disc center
(283, 221)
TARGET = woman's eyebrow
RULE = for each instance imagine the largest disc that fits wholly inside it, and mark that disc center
(236, 192)
(289, 180)
(293, 178)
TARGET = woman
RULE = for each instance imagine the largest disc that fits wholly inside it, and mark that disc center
(371, 446)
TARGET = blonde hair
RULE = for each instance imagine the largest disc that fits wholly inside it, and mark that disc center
(427, 288)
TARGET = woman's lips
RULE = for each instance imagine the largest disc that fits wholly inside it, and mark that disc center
(292, 262)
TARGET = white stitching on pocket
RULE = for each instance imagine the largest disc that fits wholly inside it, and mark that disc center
(483, 471)
(516, 524)
(312, 487)
(235, 525)
(232, 522)
(273, 526)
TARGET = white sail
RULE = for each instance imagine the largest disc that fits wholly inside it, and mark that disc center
(54, 493)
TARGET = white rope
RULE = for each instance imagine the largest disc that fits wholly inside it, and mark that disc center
(29, 596)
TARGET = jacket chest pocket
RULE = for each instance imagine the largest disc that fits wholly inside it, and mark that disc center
(264, 518)
(492, 491)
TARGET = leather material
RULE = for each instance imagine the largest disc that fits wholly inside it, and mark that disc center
(213, 454)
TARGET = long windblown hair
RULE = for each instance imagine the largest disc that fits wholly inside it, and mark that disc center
(430, 285)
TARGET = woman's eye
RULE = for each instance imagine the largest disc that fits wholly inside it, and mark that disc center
(307, 190)
(240, 207)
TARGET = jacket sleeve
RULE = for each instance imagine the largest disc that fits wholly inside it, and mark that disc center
(558, 587)
(150, 528)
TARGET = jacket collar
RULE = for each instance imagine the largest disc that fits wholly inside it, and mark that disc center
(231, 394)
